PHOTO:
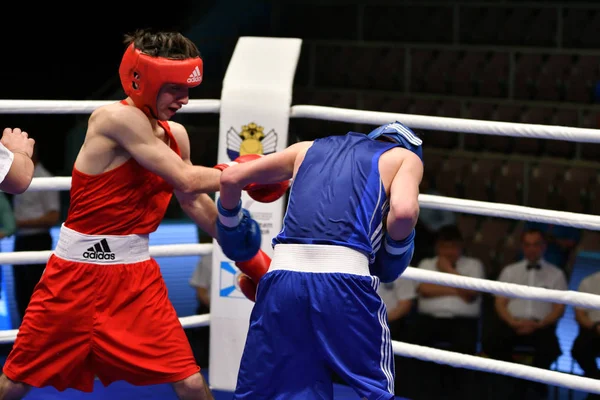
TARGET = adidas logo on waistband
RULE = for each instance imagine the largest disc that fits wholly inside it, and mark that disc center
(195, 76)
(99, 251)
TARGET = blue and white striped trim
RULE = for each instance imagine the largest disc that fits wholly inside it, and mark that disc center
(387, 355)
(405, 132)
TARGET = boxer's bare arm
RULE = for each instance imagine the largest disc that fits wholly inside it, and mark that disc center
(272, 168)
(198, 206)
(131, 130)
(404, 196)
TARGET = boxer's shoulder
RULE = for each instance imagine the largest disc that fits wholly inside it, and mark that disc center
(178, 131)
(117, 118)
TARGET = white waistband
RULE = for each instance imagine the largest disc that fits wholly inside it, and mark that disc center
(319, 258)
(101, 249)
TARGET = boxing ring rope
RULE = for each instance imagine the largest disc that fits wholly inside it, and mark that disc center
(500, 210)
(462, 125)
(494, 366)
(575, 220)
(336, 114)
(88, 106)
(573, 298)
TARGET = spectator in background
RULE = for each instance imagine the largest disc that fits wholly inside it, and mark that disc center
(527, 322)
(7, 228)
(586, 347)
(35, 213)
(561, 242)
(428, 225)
(447, 314)
(201, 281)
(399, 297)
(7, 218)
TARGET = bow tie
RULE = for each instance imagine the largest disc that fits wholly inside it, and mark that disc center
(533, 266)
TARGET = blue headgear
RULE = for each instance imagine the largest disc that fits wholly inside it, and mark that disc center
(400, 134)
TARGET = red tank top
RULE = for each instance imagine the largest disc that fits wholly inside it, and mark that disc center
(128, 199)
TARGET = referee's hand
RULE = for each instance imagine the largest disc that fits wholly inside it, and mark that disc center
(17, 141)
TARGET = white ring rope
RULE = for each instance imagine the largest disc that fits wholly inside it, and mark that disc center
(88, 106)
(193, 321)
(53, 183)
(577, 299)
(495, 366)
(575, 220)
(336, 114)
(511, 211)
(448, 124)
(569, 297)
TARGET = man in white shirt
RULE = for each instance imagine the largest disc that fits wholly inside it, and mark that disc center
(586, 347)
(447, 314)
(16, 167)
(527, 322)
(35, 214)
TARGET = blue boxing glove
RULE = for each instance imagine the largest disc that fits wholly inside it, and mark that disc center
(400, 134)
(393, 257)
(237, 233)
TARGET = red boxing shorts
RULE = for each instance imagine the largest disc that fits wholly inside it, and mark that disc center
(100, 309)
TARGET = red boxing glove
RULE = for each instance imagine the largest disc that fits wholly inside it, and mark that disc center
(222, 166)
(263, 193)
(248, 287)
(267, 193)
(247, 158)
(255, 267)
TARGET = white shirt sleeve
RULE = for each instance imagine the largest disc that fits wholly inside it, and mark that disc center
(405, 289)
(51, 201)
(505, 275)
(6, 160)
(428, 264)
(586, 287)
(475, 269)
(203, 273)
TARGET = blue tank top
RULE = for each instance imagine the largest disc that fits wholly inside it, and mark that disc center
(337, 196)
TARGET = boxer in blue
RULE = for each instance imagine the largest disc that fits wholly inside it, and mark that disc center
(349, 224)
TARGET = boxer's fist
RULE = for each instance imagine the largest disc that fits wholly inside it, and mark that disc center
(252, 271)
(237, 233)
(222, 166)
(247, 286)
(247, 158)
(263, 193)
(17, 141)
(267, 193)
(256, 267)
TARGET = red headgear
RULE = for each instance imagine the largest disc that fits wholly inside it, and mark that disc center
(142, 76)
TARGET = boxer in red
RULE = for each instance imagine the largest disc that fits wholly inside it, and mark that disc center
(102, 308)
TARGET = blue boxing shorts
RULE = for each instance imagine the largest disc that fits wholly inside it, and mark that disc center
(317, 312)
